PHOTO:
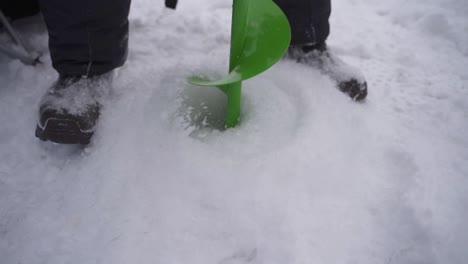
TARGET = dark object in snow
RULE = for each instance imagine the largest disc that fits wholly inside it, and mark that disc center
(348, 78)
(69, 111)
(171, 3)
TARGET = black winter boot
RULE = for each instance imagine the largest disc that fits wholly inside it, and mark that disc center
(348, 78)
(69, 111)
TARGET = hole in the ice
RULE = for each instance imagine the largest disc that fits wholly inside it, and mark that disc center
(203, 109)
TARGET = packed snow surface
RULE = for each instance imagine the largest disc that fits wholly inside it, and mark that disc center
(308, 177)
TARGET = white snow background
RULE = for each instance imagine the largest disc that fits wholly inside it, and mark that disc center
(308, 177)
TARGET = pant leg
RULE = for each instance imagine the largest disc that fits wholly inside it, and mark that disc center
(308, 19)
(19, 8)
(86, 37)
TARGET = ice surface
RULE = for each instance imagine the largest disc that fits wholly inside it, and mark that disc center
(308, 177)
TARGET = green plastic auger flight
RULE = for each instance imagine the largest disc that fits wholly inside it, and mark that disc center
(260, 36)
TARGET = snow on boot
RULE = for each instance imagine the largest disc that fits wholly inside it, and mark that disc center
(348, 78)
(69, 111)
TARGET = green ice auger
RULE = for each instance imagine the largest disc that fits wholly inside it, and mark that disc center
(260, 36)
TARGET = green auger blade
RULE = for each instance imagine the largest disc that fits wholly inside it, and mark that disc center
(260, 37)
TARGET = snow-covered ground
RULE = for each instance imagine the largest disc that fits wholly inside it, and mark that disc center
(308, 177)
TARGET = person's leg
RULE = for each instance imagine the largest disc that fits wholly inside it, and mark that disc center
(308, 19)
(87, 40)
(19, 8)
(86, 37)
(310, 29)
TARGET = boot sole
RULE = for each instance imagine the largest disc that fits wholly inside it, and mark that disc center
(63, 131)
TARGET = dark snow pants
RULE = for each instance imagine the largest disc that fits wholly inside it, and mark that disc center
(90, 37)
(308, 19)
(86, 37)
